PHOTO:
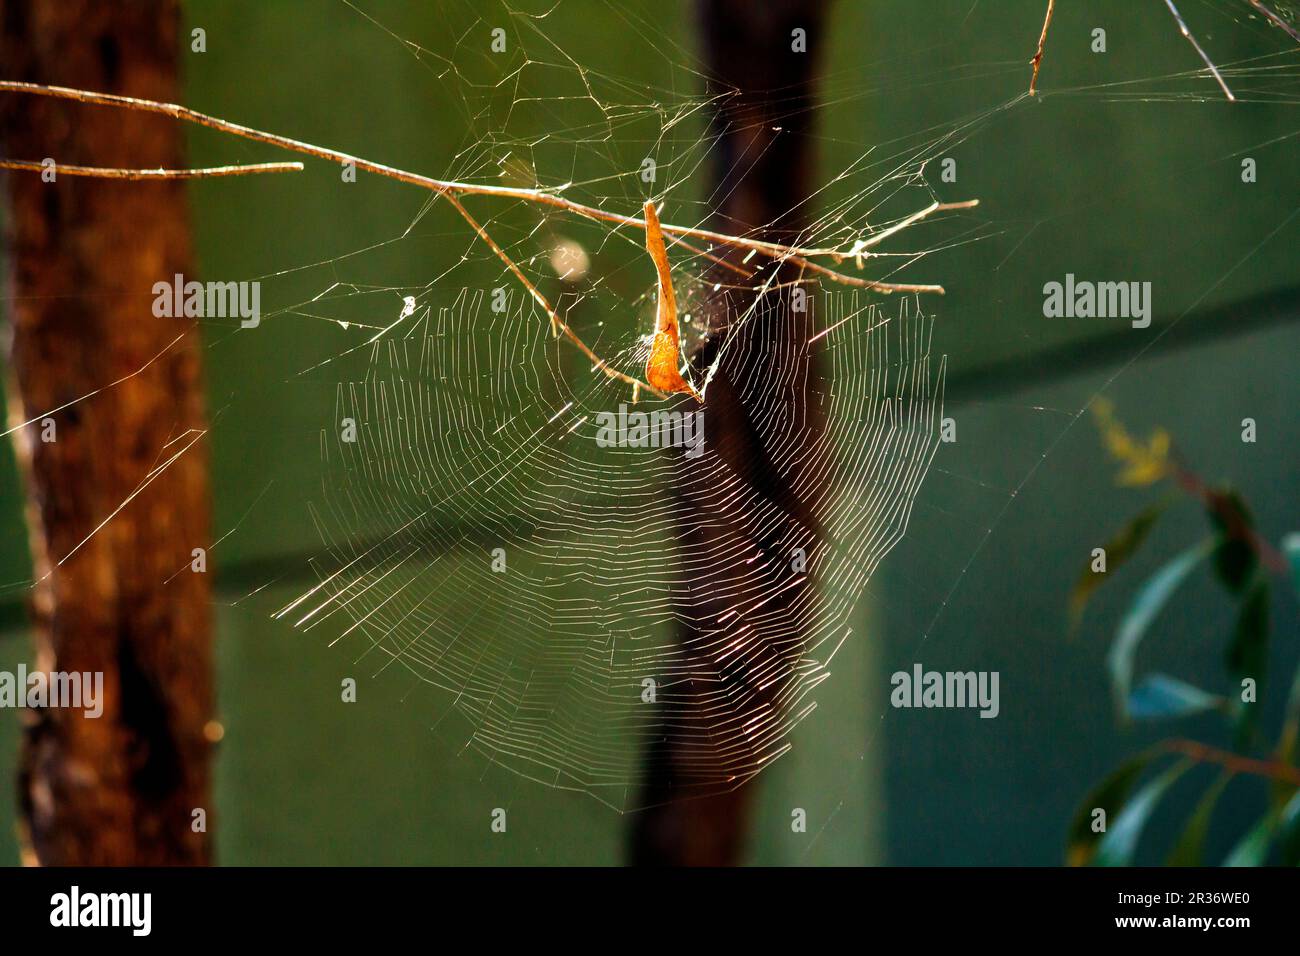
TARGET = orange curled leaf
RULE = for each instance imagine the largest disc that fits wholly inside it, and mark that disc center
(662, 367)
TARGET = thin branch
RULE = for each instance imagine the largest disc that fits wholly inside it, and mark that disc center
(510, 264)
(1204, 753)
(876, 238)
(451, 190)
(1037, 61)
(1182, 27)
(558, 325)
(1234, 523)
(1257, 4)
(110, 172)
(874, 284)
(538, 196)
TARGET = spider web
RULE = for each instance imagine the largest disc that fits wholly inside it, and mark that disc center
(547, 643)
(479, 537)
(475, 533)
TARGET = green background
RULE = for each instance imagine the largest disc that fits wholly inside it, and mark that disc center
(1127, 168)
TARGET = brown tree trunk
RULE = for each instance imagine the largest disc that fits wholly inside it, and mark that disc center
(696, 790)
(83, 256)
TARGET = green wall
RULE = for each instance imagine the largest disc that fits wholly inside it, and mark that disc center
(1124, 169)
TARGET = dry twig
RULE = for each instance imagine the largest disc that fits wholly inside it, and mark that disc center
(1182, 28)
(1037, 61)
(451, 190)
(112, 172)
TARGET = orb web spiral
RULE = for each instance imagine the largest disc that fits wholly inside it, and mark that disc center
(572, 593)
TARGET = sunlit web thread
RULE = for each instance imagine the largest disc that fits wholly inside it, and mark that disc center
(462, 448)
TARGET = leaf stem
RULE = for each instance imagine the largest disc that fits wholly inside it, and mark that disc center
(1235, 762)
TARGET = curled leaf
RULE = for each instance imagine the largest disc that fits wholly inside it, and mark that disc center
(662, 369)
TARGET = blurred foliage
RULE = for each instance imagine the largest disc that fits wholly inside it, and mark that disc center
(1248, 568)
(1145, 462)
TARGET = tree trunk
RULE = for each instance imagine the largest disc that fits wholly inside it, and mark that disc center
(121, 598)
(696, 790)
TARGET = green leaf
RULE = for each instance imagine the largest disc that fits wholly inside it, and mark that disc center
(1247, 654)
(1281, 825)
(1291, 548)
(1234, 563)
(1159, 695)
(1121, 839)
(1286, 745)
(1252, 849)
(1234, 559)
(1189, 849)
(1289, 831)
(1110, 795)
(1122, 546)
(1150, 598)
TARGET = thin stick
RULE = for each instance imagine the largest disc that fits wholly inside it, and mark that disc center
(1182, 27)
(820, 269)
(874, 284)
(451, 190)
(510, 264)
(1042, 41)
(558, 325)
(445, 189)
(109, 172)
(877, 238)
(538, 196)
(1290, 30)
